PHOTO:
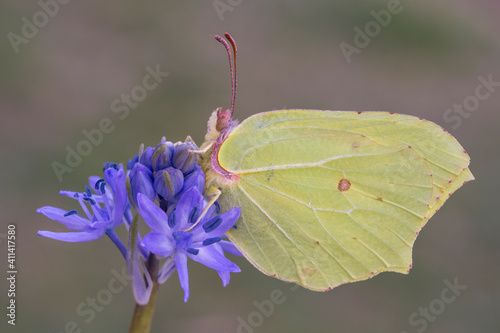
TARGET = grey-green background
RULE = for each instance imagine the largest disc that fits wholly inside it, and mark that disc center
(64, 79)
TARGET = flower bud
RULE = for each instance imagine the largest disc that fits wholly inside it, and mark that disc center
(168, 182)
(195, 178)
(132, 162)
(162, 155)
(184, 159)
(146, 157)
(141, 181)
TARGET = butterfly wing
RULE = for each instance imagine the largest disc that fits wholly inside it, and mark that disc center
(330, 197)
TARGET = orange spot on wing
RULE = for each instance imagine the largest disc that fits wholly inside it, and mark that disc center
(344, 185)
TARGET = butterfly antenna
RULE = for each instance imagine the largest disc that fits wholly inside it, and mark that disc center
(234, 76)
(232, 65)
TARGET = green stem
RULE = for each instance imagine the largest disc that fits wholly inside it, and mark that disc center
(143, 314)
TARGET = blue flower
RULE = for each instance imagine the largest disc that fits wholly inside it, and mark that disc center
(190, 230)
(108, 204)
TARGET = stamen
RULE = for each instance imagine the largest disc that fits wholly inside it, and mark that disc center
(210, 241)
(92, 201)
(217, 207)
(71, 212)
(171, 220)
(84, 207)
(212, 224)
(193, 216)
(103, 187)
(97, 183)
(235, 226)
(108, 165)
(88, 191)
(75, 195)
(193, 251)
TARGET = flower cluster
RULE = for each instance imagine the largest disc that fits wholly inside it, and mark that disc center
(165, 186)
(165, 171)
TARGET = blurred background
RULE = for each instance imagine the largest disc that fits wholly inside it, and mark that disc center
(66, 67)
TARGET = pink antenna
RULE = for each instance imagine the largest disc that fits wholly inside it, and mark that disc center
(232, 65)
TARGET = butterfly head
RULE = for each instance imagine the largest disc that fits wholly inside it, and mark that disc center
(224, 120)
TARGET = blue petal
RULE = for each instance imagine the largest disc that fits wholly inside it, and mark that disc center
(161, 156)
(166, 270)
(211, 212)
(120, 193)
(146, 158)
(168, 182)
(213, 257)
(73, 237)
(132, 162)
(72, 222)
(230, 247)
(70, 194)
(225, 277)
(103, 224)
(229, 218)
(195, 178)
(99, 198)
(141, 281)
(109, 176)
(181, 265)
(184, 158)
(141, 181)
(159, 243)
(187, 202)
(153, 215)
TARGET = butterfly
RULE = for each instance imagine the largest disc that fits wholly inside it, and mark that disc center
(329, 197)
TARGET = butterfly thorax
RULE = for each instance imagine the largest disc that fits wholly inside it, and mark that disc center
(219, 126)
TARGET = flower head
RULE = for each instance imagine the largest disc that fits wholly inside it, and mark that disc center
(160, 172)
(191, 230)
